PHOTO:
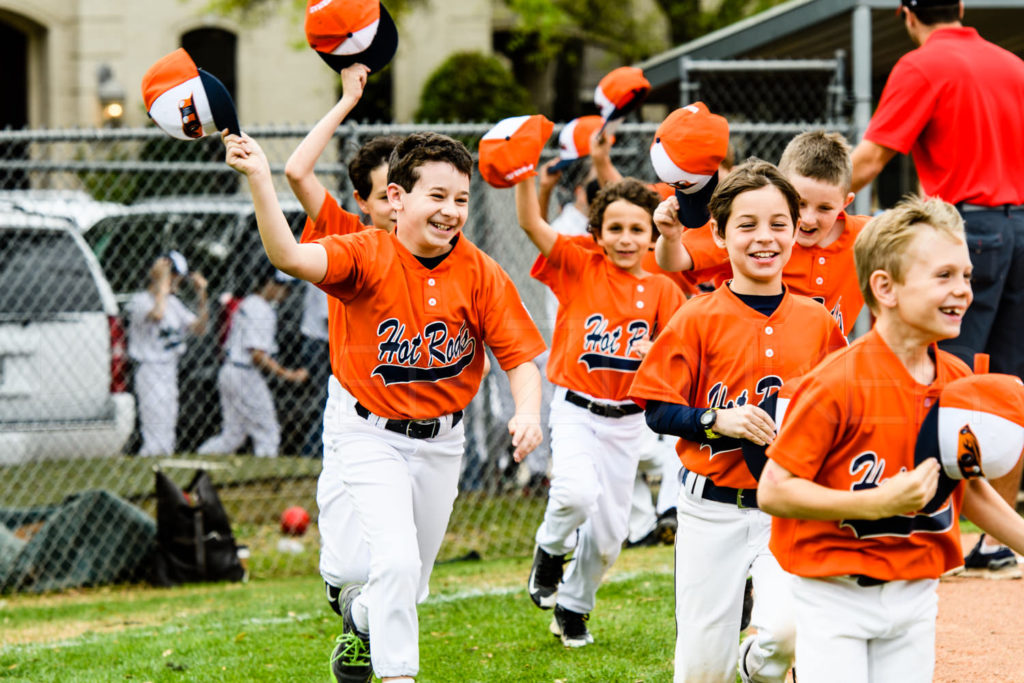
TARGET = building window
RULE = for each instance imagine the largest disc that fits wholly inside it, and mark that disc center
(213, 50)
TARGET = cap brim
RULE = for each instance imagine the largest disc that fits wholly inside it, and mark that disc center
(221, 105)
(927, 446)
(753, 455)
(375, 57)
(693, 207)
(563, 164)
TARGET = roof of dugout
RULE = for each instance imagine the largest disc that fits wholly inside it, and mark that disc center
(815, 29)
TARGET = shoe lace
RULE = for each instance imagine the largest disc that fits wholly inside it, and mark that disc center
(353, 651)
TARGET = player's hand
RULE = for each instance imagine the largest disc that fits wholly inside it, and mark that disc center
(666, 219)
(549, 176)
(198, 281)
(642, 347)
(746, 422)
(526, 434)
(353, 80)
(244, 154)
(600, 147)
(908, 491)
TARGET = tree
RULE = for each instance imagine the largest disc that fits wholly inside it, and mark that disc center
(469, 86)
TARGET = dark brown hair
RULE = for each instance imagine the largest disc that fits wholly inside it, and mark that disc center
(752, 174)
(629, 189)
(369, 158)
(423, 148)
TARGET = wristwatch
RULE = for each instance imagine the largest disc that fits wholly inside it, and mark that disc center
(707, 421)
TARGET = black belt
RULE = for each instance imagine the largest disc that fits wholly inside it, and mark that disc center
(602, 409)
(867, 581)
(414, 429)
(743, 498)
(1006, 209)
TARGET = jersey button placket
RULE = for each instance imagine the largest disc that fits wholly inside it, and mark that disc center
(637, 297)
(432, 293)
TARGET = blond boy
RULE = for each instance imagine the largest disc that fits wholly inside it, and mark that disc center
(841, 478)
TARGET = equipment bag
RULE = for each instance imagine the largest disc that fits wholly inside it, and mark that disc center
(194, 539)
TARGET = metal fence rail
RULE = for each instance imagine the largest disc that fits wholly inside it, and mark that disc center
(135, 194)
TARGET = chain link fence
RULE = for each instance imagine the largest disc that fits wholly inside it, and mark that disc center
(84, 215)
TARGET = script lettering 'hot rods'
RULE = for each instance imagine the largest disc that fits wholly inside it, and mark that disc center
(446, 355)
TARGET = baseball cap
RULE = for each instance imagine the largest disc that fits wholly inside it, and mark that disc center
(178, 262)
(346, 32)
(974, 429)
(620, 92)
(509, 151)
(688, 147)
(185, 101)
(775, 405)
(918, 4)
(574, 140)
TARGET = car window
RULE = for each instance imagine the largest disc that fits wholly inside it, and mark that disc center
(127, 246)
(44, 272)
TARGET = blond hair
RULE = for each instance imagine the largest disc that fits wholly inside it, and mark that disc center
(820, 156)
(883, 243)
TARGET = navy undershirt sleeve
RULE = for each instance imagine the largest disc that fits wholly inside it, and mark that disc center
(675, 419)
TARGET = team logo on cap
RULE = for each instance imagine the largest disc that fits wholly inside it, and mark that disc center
(968, 454)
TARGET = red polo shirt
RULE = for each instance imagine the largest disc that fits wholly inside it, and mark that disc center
(956, 104)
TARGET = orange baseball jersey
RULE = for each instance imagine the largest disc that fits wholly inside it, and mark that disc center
(333, 220)
(603, 311)
(828, 275)
(718, 352)
(414, 336)
(852, 424)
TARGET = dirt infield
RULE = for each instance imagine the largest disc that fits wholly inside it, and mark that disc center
(978, 635)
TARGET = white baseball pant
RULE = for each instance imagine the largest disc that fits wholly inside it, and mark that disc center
(385, 500)
(593, 467)
(846, 633)
(717, 546)
(247, 409)
(658, 459)
(156, 390)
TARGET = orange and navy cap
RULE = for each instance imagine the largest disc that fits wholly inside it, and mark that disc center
(185, 101)
(347, 32)
(688, 147)
(975, 429)
(509, 151)
(574, 140)
(620, 92)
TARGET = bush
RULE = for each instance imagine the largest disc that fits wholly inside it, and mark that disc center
(470, 86)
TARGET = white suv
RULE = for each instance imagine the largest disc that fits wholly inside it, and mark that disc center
(62, 351)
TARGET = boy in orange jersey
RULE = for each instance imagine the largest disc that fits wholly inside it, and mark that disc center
(723, 356)
(426, 300)
(609, 309)
(818, 165)
(368, 172)
(851, 520)
(821, 267)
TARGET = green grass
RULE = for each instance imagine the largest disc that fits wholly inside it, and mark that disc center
(478, 625)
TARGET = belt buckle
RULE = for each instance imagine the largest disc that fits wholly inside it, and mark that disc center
(739, 498)
(430, 429)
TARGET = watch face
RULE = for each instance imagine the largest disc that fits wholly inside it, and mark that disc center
(707, 418)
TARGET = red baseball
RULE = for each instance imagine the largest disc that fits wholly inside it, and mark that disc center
(294, 521)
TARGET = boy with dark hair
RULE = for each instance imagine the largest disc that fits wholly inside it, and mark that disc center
(426, 300)
(609, 310)
(709, 379)
(855, 520)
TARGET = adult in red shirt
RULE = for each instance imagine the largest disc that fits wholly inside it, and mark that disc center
(955, 104)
